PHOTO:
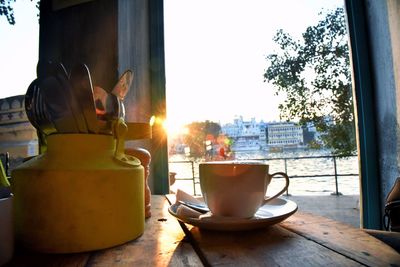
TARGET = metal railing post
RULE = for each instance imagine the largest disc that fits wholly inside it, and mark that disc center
(287, 190)
(336, 176)
(285, 160)
(194, 182)
(285, 165)
(7, 170)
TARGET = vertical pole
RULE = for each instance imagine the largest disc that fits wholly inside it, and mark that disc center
(336, 179)
(7, 164)
(363, 92)
(287, 190)
(158, 99)
(285, 160)
(193, 179)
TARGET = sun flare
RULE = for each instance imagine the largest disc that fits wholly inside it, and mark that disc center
(174, 129)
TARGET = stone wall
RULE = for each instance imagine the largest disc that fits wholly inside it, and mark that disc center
(17, 135)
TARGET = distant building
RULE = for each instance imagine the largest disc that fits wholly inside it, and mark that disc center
(311, 134)
(246, 135)
(284, 134)
(252, 135)
(17, 135)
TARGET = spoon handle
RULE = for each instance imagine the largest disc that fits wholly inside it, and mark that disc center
(197, 207)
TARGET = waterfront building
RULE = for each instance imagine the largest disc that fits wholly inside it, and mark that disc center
(253, 135)
(284, 134)
(246, 135)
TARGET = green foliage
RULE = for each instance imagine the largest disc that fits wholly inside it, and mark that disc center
(199, 132)
(314, 73)
(7, 10)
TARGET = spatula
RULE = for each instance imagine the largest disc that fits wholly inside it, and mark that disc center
(57, 105)
(62, 77)
(82, 88)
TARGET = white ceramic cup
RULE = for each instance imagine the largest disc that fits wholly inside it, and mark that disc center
(236, 189)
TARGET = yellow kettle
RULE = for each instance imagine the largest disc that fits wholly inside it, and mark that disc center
(80, 195)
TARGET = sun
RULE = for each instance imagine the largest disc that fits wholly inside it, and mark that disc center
(174, 129)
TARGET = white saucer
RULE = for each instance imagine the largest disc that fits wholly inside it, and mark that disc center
(274, 212)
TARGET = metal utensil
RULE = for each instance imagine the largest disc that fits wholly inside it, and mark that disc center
(100, 102)
(59, 70)
(44, 69)
(81, 85)
(107, 105)
(196, 206)
(57, 105)
(121, 89)
(107, 109)
(121, 108)
(72, 101)
(46, 127)
(123, 84)
(30, 110)
(29, 104)
(35, 111)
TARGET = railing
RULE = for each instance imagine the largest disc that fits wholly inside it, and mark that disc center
(192, 178)
(195, 179)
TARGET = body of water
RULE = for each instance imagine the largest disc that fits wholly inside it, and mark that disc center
(295, 163)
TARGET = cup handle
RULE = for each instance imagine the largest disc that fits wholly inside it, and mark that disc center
(283, 189)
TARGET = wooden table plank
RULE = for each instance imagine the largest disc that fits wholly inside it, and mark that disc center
(29, 258)
(160, 245)
(272, 246)
(343, 238)
(303, 239)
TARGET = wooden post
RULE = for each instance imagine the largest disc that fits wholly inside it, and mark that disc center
(110, 37)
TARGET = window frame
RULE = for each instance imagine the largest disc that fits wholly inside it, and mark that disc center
(158, 97)
(363, 92)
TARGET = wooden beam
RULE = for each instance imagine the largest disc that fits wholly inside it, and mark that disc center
(157, 74)
(363, 92)
(85, 33)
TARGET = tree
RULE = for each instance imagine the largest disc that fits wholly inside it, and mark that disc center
(199, 132)
(314, 73)
(7, 10)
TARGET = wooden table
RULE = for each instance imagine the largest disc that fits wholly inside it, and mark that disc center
(302, 240)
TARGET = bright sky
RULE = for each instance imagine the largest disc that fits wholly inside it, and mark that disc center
(19, 49)
(215, 54)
